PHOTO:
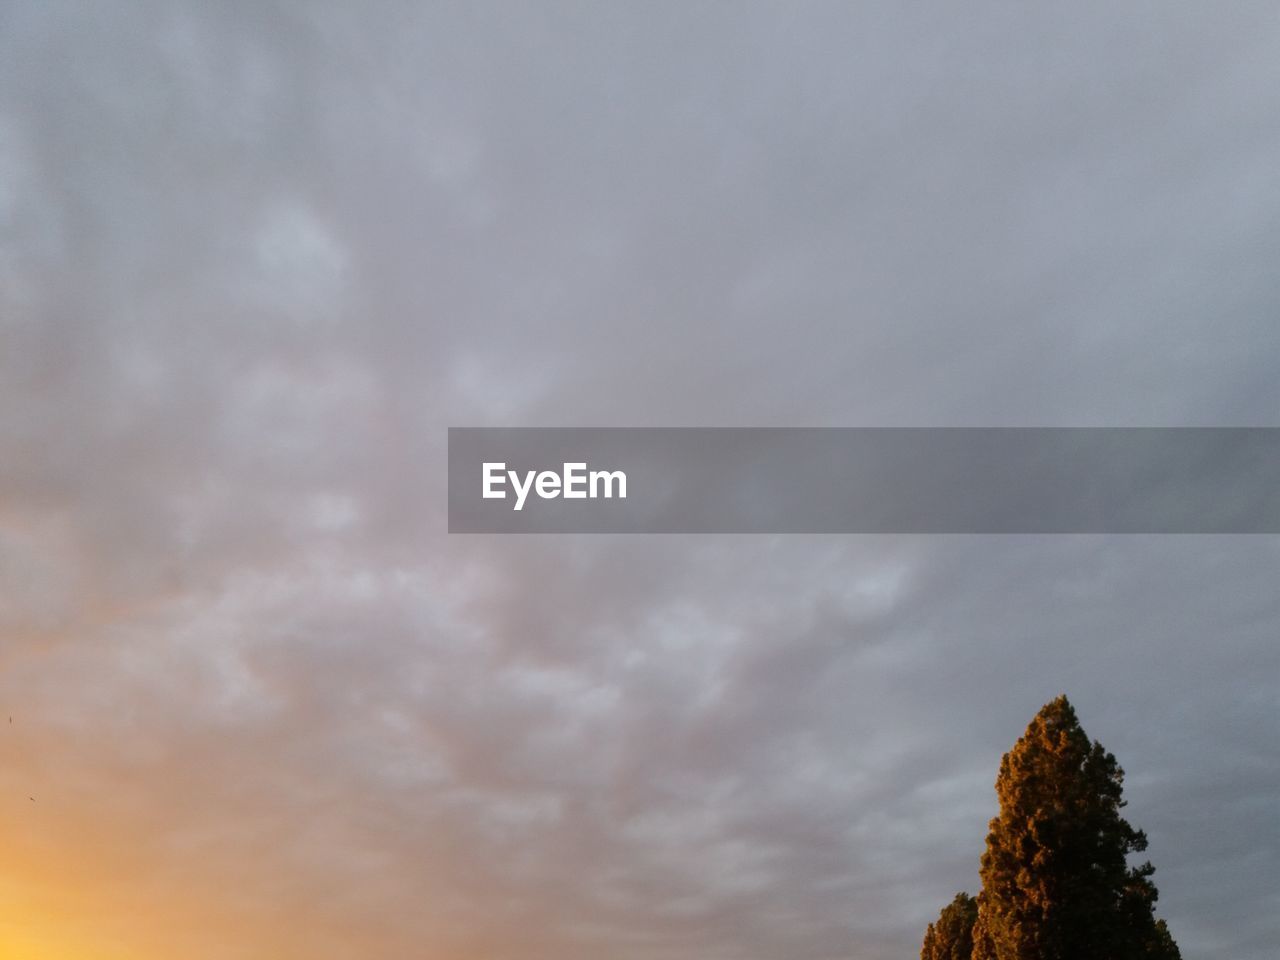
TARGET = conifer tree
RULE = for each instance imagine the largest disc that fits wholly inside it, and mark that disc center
(1056, 884)
(951, 937)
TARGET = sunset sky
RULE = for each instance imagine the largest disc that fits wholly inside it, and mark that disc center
(256, 258)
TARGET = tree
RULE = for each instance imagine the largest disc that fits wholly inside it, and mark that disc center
(1056, 884)
(951, 937)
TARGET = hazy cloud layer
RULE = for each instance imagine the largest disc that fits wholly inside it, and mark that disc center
(254, 259)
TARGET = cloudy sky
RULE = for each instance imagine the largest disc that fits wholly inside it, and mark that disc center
(255, 258)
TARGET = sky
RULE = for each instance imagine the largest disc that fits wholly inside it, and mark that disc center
(256, 258)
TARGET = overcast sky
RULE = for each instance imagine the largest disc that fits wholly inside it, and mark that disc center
(256, 258)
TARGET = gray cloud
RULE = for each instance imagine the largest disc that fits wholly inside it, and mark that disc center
(255, 259)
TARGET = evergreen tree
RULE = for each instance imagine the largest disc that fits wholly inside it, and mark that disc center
(1056, 884)
(951, 937)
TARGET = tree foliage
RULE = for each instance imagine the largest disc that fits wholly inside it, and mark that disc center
(1056, 883)
(951, 937)
(1056, 880)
